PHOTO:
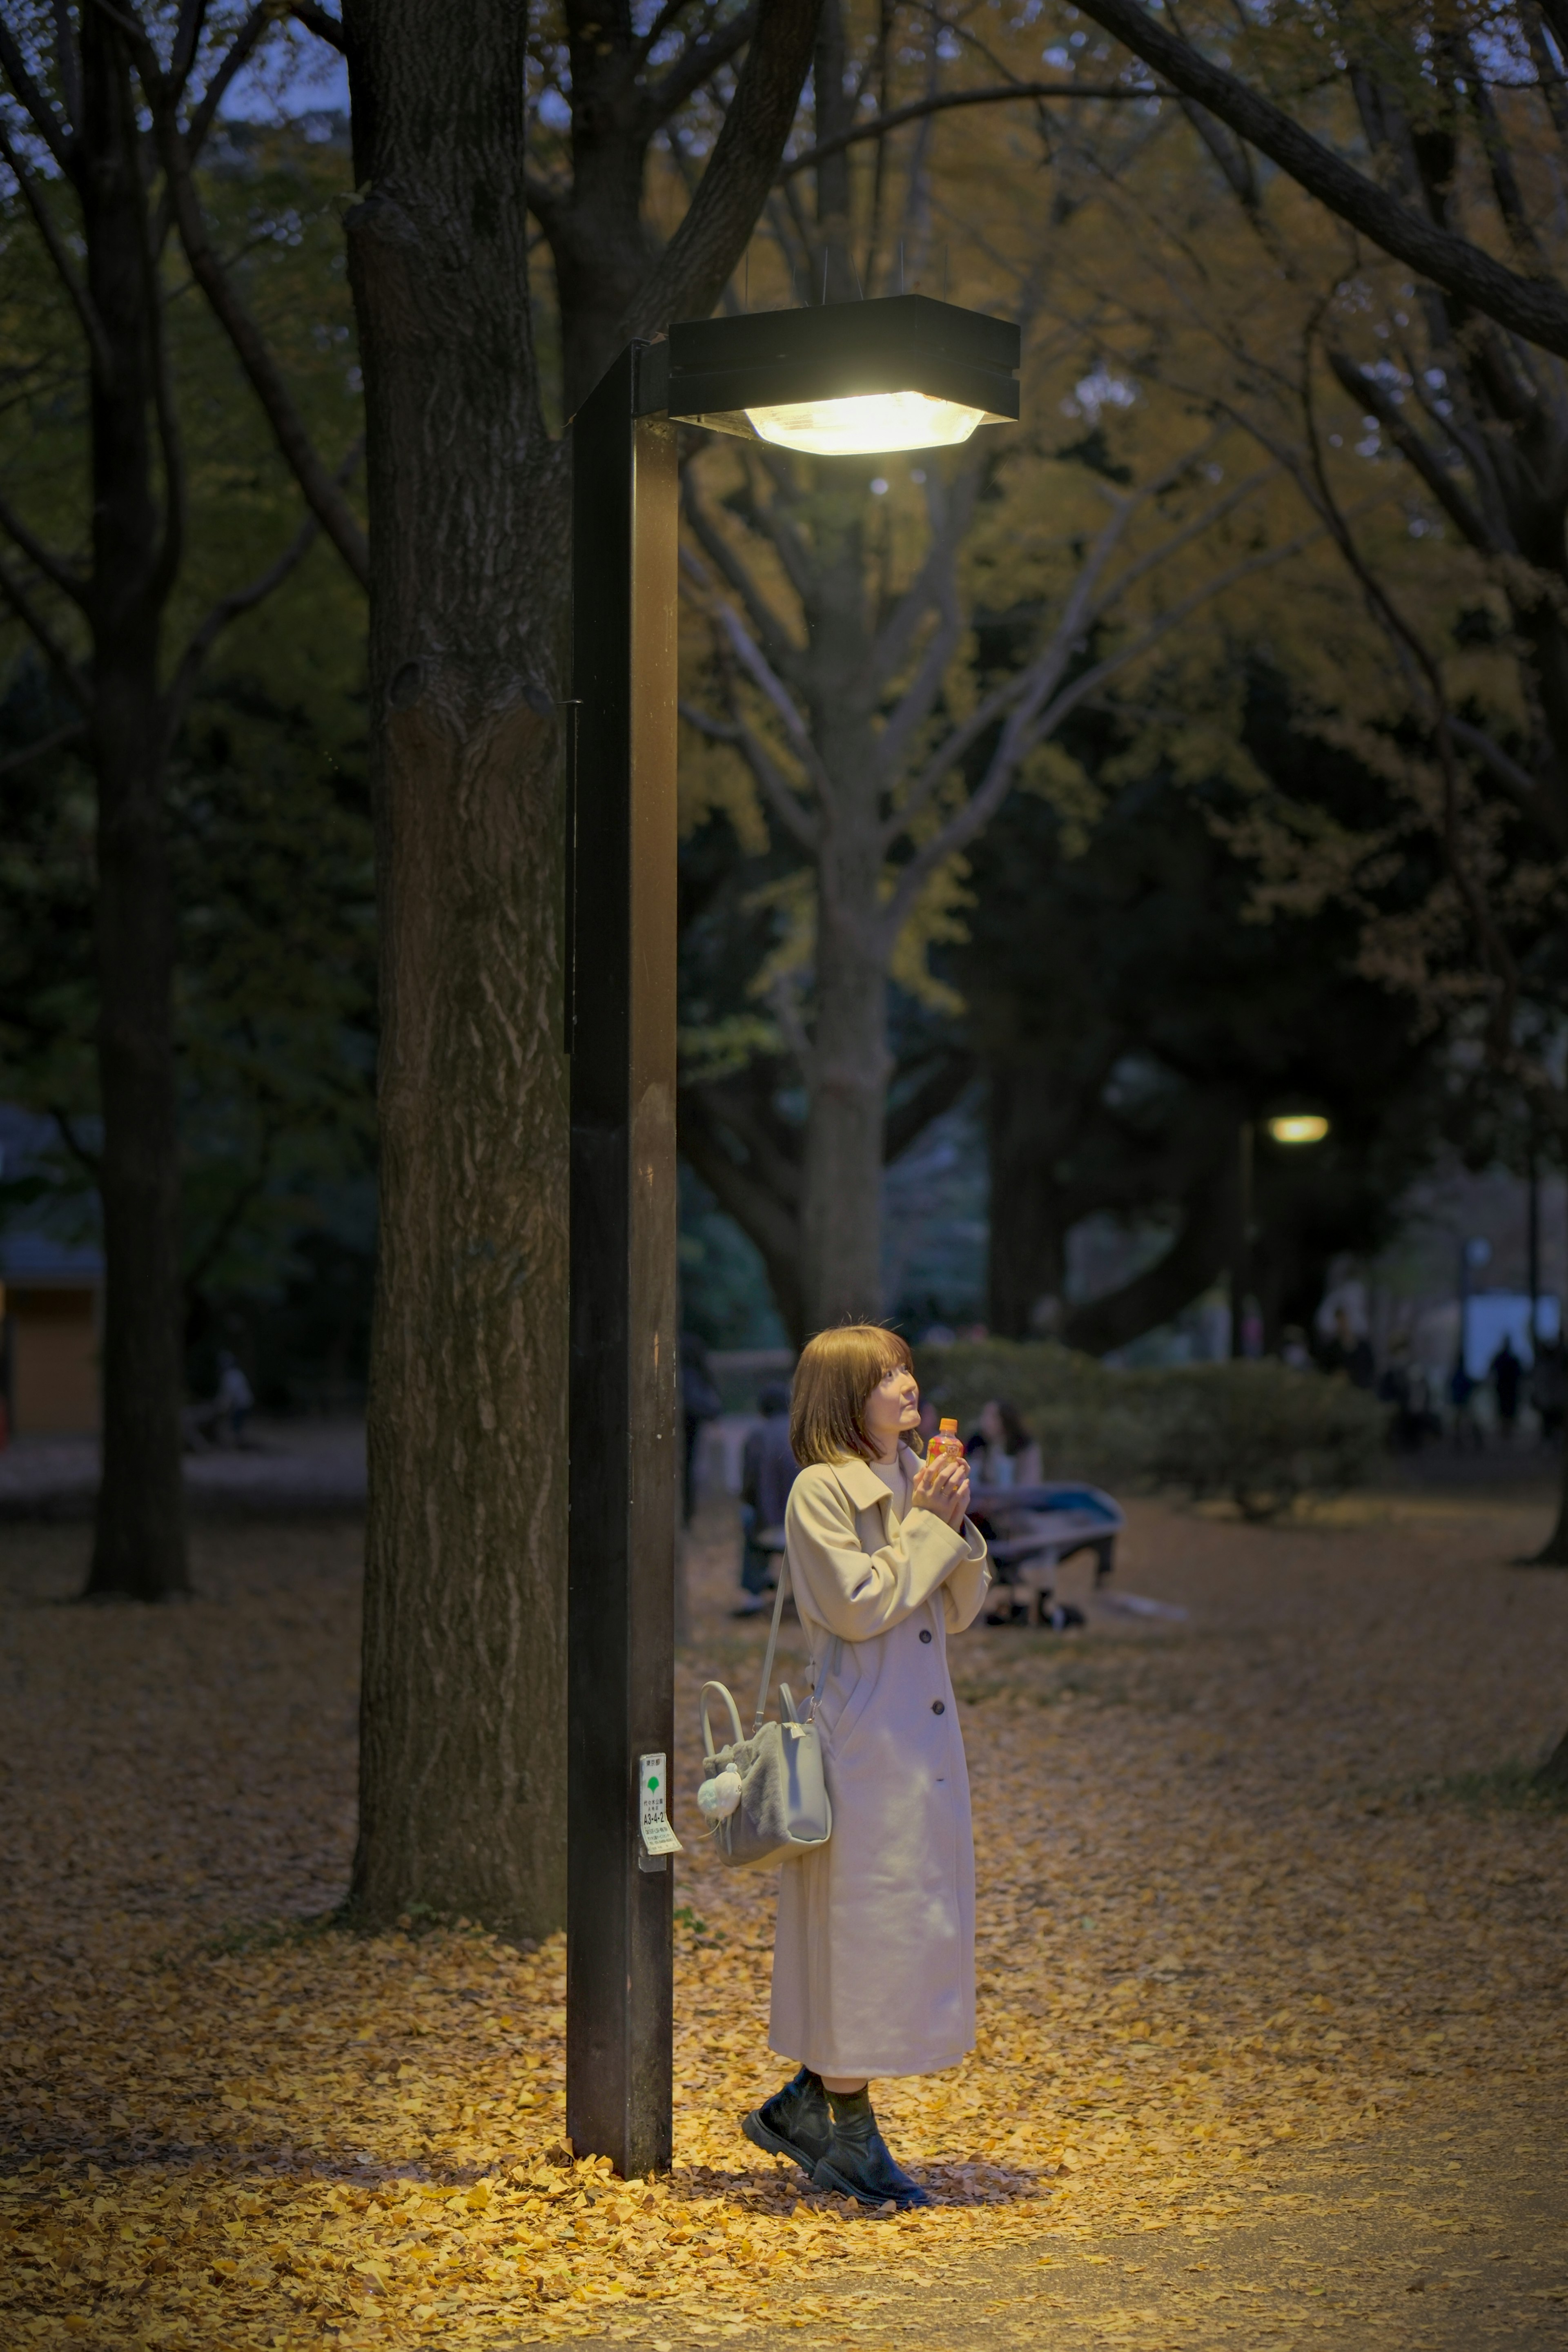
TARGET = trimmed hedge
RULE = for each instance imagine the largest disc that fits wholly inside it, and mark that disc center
(1258, 1432)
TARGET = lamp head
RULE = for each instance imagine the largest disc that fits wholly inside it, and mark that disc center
(849, 379)
(1298, 1126)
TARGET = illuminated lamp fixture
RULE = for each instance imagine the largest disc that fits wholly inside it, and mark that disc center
(1298, 1126)
(846, 380)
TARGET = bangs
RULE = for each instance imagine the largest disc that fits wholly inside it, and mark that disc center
(837, 1372)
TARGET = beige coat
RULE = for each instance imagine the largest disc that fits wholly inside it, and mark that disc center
(874, 1963)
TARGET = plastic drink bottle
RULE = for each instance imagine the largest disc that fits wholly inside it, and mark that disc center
(946, 1441)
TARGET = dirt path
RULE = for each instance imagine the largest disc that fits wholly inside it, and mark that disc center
(1271, 2041)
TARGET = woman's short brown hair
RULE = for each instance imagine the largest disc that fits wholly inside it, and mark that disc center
(835, 1376)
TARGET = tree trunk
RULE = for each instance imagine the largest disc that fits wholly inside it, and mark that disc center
(462, 1713)
(849, 1066)
(1554, 1773)
(139, 1550)
(849, 1063)
(1027, 1260)
(1554, 1552)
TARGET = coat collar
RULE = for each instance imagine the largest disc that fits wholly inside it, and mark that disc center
(860, 1483)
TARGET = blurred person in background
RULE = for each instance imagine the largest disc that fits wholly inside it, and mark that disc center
(1465, 1432)
(768, 1470)
(233, 1399)
(1506, 1373)
(1001, 1452)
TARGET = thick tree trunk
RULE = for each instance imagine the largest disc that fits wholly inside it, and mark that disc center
(840, 1220)
(1027, 1260)
(849, 1065)
(1554, 1552)
(139, 1550)
(1186, 1269)
(463, 1708)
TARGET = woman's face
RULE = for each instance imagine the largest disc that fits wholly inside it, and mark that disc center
(992, 1427)
(892, 1406)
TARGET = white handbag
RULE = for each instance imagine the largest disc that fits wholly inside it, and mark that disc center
(766, 1796)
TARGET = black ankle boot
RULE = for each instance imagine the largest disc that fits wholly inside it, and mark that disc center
(793, 2122)
(856, 2162)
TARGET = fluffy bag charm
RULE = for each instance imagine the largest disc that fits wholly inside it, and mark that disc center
(720, 1797)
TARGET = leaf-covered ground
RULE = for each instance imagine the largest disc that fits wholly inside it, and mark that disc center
(1237, 1936)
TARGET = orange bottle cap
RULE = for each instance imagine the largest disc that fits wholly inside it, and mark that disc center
(947, 1425)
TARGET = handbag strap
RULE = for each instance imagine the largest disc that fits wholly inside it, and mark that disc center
(772, 1641)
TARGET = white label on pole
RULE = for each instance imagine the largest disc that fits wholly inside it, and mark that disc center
(658, 1837)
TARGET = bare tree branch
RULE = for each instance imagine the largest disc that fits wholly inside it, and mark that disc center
(1535, 308)
(767, 628)
(951, 506)
(995, 94)
(702, 58)
(699, 260)
(203, 114)
(753, 661)
(49, 645)
(982, 804)
(39, 112)
(91, 1161)
(53, 568)
(317, 20)
(57, 741)
(1415, 451)
(322, 493)
(177, 696)
(68, 63)
(1526, 792)
(53, 245)
(187, 35)
(775, 785)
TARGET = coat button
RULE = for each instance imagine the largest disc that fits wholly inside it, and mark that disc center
(939, 1706)
(925, 1637)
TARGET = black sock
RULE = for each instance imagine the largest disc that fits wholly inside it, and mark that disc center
(847, 2107)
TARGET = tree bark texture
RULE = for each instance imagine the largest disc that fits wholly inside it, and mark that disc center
(849, 1063)
(462, 1710)
(1554, 1552)
(1026, 1263)
(849, 1066)
(138, 1547)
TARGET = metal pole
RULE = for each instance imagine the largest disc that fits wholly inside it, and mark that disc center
(1241, 1246)
(621, 1027)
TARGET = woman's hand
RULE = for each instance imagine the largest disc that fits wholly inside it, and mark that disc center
(943, 1487)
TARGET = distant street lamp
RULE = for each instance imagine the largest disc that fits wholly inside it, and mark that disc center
(1299, 1127)
(1293, 1127)
(846, 380)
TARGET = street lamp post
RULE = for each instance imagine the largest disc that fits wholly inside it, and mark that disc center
(1293, 1128)
(846, 380)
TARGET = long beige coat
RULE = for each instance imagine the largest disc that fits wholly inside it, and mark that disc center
(873, 1962)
